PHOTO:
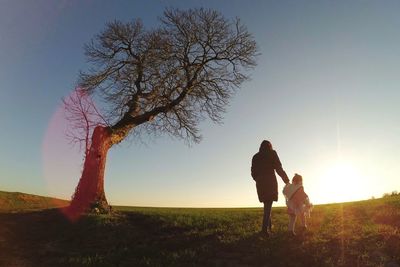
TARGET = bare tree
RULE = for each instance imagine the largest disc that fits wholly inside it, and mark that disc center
(82, 116)
(162, 80)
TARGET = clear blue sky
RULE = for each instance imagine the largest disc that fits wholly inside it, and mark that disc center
(325, 93)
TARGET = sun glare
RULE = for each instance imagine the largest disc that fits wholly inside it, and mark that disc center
(340, 182)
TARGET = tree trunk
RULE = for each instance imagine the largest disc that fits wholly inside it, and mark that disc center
(89, 194)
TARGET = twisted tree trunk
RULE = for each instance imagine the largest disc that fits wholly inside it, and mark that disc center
(89, 194)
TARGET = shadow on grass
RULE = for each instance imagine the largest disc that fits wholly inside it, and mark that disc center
(130, 238)
(47, 238)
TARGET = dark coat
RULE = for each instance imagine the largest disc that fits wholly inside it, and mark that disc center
(263, 167)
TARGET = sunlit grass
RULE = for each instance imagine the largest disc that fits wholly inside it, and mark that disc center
(364, 233)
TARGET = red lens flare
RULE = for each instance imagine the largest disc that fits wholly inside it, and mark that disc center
(62, 152)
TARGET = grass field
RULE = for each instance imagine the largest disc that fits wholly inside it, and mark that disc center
(19, 202)
(365, 233)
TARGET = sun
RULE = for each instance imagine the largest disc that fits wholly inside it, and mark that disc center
(340, 181)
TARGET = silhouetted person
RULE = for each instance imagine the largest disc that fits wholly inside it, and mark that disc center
(263, 167)
(297, 202)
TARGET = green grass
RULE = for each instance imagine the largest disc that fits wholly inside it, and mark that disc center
(364, 233)
(21, 202)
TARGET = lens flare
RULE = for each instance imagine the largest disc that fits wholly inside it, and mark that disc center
(61, 160)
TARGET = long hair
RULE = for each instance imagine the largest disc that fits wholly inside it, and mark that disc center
(265, 146)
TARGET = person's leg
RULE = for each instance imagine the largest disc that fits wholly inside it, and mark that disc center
(267, 215)
(292, 222)
(270, 223)
(303, 220)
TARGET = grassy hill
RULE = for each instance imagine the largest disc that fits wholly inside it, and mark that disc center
(16, 202)
(365, 233)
